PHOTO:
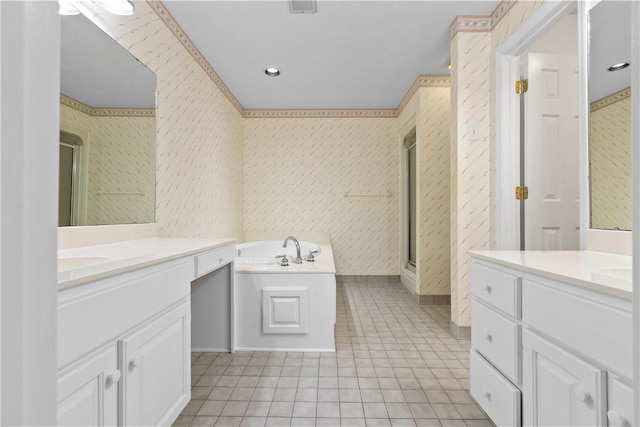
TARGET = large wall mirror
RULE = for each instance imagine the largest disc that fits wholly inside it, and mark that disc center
(610, 171)
(107, 130)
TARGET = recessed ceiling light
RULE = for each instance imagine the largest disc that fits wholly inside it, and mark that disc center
(272, 72)
(619, 66)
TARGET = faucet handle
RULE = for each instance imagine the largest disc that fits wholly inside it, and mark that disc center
(311, 257)
(284, 262)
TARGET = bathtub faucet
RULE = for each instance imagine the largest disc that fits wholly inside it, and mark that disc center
(298, 258)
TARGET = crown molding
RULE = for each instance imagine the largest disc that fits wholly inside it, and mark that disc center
(611, 99)
(106, 112)
(163, 13)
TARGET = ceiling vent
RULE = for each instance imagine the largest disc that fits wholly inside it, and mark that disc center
(303, 6)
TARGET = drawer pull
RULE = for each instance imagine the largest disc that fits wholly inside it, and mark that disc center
(615, 419)
(220, 260)
(114, 377)
(580, 394)
(486, 287)
(486, 394)
(488, 336)
(136, 361)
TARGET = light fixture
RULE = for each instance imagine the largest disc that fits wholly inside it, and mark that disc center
(619, 66)
(449, 66)
(67, 8)
(116, 7)
(272, 72)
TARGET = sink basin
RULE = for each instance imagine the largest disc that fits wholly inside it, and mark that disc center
(614, 276)
(72, 263)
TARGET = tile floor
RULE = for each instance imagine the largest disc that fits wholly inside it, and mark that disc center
(395, 365)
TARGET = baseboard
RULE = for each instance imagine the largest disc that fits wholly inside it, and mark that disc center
(345, 278)
(459, 332)
(433, 299)
(288, 350)
(211, 350)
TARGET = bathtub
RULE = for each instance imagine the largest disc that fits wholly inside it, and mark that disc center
(264, 252)
(290, 308)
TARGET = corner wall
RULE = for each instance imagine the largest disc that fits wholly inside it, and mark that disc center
(199, 153)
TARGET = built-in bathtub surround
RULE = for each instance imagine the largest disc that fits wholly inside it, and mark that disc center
(610, 161)
(199, 131)
(120, 144)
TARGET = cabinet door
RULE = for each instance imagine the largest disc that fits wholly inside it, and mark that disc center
(88, 390)
(620, 407)
(560, 389)
(155, 360)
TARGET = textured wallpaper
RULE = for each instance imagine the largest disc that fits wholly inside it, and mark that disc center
(470, 163)
(120, 186)
(610, 156)
(199, 144)
(433, 153)
(297, 171)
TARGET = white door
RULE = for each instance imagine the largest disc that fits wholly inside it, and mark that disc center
(88, 390)
(560, 389)
(155, 362)
(552, 211)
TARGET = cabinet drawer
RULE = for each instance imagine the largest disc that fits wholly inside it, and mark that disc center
(498, 397)
(497, 339)
(590, 323)
(497, 288)
(207, 262)
(91, 315)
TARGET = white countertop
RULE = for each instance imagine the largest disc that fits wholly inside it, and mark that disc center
(599, 271)
(323, 264)
(81, 265)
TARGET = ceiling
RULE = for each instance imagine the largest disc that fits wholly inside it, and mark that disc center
(355, 54)
(609, 43)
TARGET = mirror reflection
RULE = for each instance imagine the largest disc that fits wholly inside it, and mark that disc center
(610, 115)
(107, 130)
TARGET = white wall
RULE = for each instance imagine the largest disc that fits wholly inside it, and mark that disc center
(29, 48)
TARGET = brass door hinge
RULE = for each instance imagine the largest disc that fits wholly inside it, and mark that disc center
(522, 86)
(522, 193)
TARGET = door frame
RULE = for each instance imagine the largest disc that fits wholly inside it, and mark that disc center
(507, 213)
(79, 211)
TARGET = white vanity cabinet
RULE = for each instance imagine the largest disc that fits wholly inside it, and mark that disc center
(124, 347)
(562, 346)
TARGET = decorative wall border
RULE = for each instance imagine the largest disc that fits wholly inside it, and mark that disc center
(106, 112)
(422, 81)
(329, 113)
(163, 13)
(481, 23)
(611, 99)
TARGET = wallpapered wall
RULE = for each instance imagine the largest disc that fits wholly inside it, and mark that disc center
(121, 159)
(296, 171)
(610, 158)
(199, 132)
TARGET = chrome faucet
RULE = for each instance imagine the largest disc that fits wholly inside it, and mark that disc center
(298, 258)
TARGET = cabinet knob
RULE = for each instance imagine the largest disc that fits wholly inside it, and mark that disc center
(615, 419)
(486, 287)
(136, 361)
(580, 394)
(486, 394)
(488, 336)
(114, 377)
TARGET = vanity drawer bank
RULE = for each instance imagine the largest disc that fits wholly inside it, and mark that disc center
(124, 328)
(551, 338)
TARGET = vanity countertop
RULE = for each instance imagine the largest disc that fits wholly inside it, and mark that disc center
(82, 265)
(598, 271)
